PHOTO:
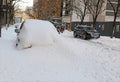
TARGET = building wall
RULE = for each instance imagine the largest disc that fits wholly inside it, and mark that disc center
(34, 1)
(110, 13)
(105, 16)
(51, 8)
(101, 17)
(46, 9)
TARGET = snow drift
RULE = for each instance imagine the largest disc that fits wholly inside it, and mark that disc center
(37, 32)
(70, 59)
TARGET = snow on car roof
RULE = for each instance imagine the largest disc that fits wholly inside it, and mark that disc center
(85, 26)
(37, 32)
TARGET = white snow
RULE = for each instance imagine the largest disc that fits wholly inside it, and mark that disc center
(68, 59)
(37, 32)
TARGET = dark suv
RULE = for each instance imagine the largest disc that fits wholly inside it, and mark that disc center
(85, 32)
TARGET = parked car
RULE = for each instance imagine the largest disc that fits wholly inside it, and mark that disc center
(35, 33)
(85, 32)
(59, 26)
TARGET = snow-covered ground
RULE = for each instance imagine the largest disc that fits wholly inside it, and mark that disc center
(69, 59)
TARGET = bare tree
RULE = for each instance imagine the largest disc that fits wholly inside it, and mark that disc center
(29, 12)
(80, 7)
(13, 7)
(116, 9)
(95, 9)
(9, 9)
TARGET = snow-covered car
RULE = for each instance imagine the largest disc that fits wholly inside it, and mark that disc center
(85, 32)
(35, 32)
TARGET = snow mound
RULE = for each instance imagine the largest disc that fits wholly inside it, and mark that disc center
(37, 32)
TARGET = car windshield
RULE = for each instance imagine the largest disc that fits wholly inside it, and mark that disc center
(88, 28)
(85, 27)
(22, 25)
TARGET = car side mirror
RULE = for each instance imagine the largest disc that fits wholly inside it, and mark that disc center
(16, 26)
(17, 30)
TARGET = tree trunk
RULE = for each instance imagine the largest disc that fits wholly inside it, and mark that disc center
(82, 21)
(94, 21)
(0, 17)
(113, 27)
(83, 17)
(0, 24)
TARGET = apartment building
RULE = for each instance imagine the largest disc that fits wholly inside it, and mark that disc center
(109, 13)
(46, 9)
(67, 10)
(50, 8)
(106, 16)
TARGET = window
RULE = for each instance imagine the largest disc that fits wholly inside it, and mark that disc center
(110, 13)
(114, 0)
(102, 27)
(117, 28)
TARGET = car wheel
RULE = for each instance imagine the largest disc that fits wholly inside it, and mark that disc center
(75, 35)
(88, 36)
(98, 37)
(84, 36)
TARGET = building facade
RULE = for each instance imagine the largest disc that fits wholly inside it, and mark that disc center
(106, 16)
(104, 20)
(46, 9)
(109, 13)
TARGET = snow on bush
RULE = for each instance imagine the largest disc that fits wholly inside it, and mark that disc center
(37, 32)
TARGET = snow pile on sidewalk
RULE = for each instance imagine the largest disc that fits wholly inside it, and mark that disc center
(108, 42)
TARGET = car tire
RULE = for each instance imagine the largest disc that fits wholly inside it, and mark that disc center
(75, 35)
(89, 36)
(98, 37)
(84, 36)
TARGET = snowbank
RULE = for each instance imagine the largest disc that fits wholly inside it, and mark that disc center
(70, 59)
(110, 43)
(37, 32)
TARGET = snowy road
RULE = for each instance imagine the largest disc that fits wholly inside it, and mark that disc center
(69, 59)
